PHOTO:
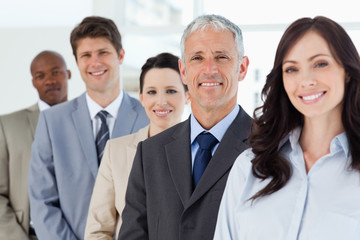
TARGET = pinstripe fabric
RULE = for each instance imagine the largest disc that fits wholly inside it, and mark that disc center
(103, 134)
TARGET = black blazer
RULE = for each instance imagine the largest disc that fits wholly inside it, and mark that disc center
(160, 201)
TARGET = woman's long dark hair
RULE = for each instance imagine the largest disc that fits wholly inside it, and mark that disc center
(277, 117)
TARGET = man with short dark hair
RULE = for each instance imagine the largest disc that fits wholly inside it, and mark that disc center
(50, 78)
(69, 139)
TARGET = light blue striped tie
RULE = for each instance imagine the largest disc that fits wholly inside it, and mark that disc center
(103, 135)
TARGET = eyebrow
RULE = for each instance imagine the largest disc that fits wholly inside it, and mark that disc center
(197, 52)
(170, 86)
(96, 51)
(51, 69)
(309, 59)
(216, 51)
(101, 49)
(319, 55)
(156, 88)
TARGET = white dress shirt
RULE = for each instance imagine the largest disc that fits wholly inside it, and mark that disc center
(43, 105)
(323, 204)
(112, 109)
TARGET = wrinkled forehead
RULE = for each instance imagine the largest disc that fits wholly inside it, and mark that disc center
(211, 41)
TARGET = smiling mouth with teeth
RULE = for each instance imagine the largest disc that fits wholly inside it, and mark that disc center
(209, 84)
(98, 73)
(162, 112)
(312, 97)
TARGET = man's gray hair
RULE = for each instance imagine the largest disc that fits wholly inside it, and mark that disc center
(217, 23)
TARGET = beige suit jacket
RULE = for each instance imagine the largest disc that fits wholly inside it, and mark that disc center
(108, 197)
(16, 136)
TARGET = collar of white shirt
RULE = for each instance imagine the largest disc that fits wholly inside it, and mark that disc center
(43, 105)
(339, 141)
(112, 109)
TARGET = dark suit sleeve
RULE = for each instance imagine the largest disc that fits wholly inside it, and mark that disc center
(134, 215)
(9, 227)
(45, 206)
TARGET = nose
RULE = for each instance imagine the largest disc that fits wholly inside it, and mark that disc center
(162, 99)
(50, 79)
(210, 66)
(95, 61)
(308, 79)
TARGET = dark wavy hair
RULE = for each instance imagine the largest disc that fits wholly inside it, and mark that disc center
(96, 27)
(277, 117)
(162, 60)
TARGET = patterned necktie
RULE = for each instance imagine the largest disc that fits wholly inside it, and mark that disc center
(102, 136)
(203, 155)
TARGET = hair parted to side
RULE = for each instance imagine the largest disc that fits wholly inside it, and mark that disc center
(277, 117)
(217, 23)
(96, 27)
(162, 60)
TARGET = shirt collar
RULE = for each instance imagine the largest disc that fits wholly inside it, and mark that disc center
(294, 137)
(43, 105)
(338, 142)
(112, 108)
(218, 131)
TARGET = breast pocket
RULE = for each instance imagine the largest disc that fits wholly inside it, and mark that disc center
(334, 226)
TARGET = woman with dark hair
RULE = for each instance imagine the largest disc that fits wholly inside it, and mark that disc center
(163, 96)
(301, 177)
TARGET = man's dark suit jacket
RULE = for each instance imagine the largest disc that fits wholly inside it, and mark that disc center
(161, 203)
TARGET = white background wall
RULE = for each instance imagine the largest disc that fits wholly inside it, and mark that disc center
(30, 26)
(18, 47)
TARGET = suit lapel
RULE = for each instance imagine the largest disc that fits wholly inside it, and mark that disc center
(82, 122)
(33, 117)
(232, 144)
(178, 156)
(125, 119)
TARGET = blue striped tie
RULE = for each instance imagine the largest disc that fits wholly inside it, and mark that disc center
(102, 136)
(203, 155)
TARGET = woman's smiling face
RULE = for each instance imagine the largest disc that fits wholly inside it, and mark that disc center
(313, 80)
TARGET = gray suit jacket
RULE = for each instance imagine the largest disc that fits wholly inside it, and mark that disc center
(64, 165)
(160, 201)
(16, 136)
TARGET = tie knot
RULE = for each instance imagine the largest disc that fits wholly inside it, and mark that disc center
(206, 141)
(102, 115)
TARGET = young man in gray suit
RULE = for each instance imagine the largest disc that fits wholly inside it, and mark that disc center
(69, 138)
(50, 78)
(172, 192)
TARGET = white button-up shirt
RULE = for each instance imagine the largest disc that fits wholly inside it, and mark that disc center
(323, 204)
(112, 109)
